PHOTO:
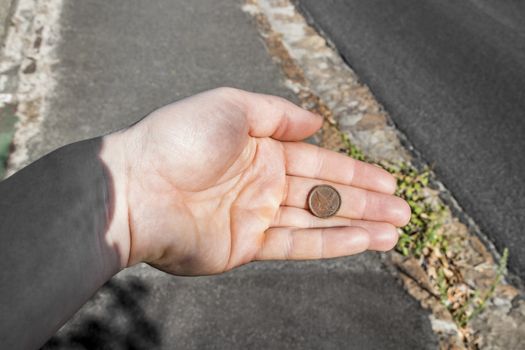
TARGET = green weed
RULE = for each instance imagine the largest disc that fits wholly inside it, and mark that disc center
(7, 123)
(422, 235)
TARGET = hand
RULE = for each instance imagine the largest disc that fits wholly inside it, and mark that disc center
(218, 180)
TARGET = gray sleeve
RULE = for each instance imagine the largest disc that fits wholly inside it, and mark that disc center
(53, 217)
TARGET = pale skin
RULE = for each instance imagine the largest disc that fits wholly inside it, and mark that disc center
(221, 179)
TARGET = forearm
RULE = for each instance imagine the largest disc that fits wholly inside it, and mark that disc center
(57, 241)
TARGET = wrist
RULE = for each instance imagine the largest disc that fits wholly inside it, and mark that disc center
(113, 156)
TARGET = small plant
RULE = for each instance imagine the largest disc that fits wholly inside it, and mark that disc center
(423, 229)
(351, 149)
(423, 238)
(7, 123)
(477, 301)
(5, 141)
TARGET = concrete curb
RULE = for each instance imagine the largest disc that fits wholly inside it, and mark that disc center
(6, 7)
(26, 81)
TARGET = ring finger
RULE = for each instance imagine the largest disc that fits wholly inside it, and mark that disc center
(383, 236)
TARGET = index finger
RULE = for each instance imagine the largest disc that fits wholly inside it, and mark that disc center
(314, 162)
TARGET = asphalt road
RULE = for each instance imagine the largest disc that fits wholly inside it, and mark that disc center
(117, 61)
(452, 76)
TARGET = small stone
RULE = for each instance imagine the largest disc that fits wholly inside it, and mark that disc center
(371, 121)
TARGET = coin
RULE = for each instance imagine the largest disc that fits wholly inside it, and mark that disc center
(324, 201)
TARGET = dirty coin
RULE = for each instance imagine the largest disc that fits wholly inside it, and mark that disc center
(324, 201)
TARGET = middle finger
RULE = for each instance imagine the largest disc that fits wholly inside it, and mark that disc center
(356, 203)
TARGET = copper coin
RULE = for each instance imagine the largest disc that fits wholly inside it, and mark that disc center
(324, 201)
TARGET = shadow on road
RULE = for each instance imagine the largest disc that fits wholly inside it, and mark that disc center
(113, 319)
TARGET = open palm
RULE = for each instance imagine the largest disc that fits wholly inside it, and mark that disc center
(218, 180)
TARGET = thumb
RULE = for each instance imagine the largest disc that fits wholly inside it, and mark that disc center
(272, 116)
